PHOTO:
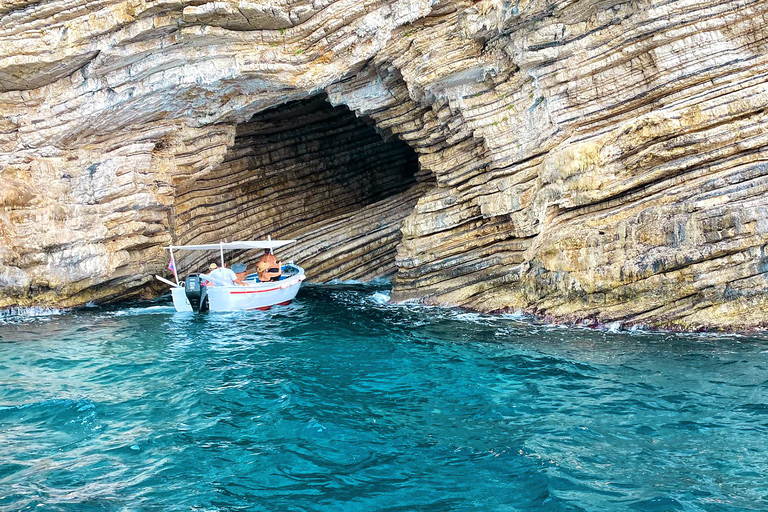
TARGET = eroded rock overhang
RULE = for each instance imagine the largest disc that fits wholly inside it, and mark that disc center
(307, 171)
(587, 161)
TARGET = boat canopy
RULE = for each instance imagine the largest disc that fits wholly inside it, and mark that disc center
(227, 246)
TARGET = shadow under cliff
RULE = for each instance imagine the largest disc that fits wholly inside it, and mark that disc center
(308, 171)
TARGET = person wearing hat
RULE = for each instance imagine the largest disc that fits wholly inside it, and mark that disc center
(222, 274)
(240, 271)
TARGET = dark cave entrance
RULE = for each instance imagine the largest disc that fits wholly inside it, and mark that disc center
(310, 171)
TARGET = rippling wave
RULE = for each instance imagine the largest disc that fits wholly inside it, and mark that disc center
(343, 402)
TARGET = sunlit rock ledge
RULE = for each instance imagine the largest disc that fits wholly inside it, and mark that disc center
(584, 161)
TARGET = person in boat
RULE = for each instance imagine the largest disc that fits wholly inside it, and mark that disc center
(268, 267)
(241, 271)
(222, 274)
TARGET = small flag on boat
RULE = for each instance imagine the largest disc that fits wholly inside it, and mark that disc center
(171, 267)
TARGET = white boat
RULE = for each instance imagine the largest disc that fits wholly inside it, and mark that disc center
(193, 294)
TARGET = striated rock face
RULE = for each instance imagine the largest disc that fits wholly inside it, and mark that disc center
(311, 171)
(585, 160)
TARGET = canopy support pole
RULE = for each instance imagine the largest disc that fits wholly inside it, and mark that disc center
(221, 249)
(173, 262)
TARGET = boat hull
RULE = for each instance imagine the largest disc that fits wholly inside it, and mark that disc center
(255, 295)
(180, 300)
(261, 296)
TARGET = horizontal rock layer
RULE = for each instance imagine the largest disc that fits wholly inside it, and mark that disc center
(583, 160)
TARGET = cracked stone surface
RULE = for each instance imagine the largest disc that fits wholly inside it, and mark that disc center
(587, 161)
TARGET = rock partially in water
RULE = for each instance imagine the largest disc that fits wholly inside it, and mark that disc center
(582, 161)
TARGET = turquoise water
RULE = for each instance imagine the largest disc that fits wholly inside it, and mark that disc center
(340, 402)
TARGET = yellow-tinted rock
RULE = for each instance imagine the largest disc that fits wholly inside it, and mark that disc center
(577, 161)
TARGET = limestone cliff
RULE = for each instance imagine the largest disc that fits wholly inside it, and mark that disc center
(584, 160)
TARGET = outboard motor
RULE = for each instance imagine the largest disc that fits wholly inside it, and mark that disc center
(193, 290)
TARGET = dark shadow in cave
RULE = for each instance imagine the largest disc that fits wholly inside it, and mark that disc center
(310, 171)
(339, 155)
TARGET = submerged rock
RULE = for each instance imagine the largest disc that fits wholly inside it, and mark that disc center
(586, 161)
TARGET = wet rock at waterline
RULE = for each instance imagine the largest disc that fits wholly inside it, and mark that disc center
(586, 161)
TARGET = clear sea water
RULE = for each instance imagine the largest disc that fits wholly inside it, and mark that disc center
(342, 402)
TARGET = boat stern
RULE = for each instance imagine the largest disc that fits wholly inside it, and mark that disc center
(180, 300)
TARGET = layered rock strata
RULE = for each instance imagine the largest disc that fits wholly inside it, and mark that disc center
(584, 160)
(308, 171)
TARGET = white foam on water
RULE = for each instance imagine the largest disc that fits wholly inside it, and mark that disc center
(149, 310)
(380, 297)
(21, 314)
(379, 281)
(517, 315)
(335, 282)
(33, 311)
